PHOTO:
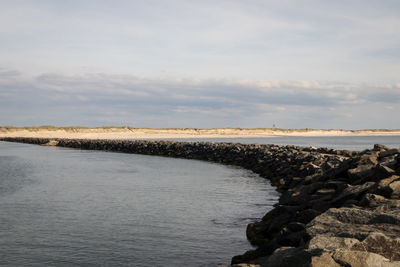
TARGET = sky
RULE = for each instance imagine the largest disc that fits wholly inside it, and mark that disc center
(203, 64)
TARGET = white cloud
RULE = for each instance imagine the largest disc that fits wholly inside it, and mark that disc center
(252, 59)
(193, 102)
(349, 42)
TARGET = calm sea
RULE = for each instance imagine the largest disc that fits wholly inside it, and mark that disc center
(66, 207)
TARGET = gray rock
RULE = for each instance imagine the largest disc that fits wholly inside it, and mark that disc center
(361, 172)
(255, 232)
(323, 260)
(389, 152)
(352, 192)
(287, 257)
(372, 200)
(331, 243)
(306, 216)
(383, 171)
(387, 181)
(389, 187)
(245, 265)
(362, 259)
(369, 159)
(355, 223)
(380, 244)
(395, 187)
(379, 147)
(51, 143)
(295, 226)
(389, 161)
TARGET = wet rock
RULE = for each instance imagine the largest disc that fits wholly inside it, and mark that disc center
(305, 216)
(251, 256)
(287, 238)
(245, 265)
(240, 265)
(288, 257)
(255, 232)
(281, 213)
(295, 226)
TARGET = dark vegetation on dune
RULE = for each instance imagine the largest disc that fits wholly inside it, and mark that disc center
(77, 129)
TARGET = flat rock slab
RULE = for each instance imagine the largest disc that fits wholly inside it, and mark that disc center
(380, 244)
(362, 259)
(355, 223)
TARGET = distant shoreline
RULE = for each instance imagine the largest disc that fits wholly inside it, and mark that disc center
(111, 132)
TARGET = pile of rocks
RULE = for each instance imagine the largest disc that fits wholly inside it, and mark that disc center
(347, 215)
(337, 208)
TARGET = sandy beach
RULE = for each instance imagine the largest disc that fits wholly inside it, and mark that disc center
(178, 133)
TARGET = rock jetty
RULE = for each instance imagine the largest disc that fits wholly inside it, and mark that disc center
(337, 207)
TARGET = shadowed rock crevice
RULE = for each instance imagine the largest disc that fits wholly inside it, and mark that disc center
(337, 208)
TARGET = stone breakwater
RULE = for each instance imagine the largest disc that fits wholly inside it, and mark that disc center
(337, 208)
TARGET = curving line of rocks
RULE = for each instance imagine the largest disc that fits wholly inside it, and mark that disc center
(337, 207)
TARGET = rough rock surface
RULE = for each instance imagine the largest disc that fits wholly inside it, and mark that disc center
(337, 208)
(351, 218)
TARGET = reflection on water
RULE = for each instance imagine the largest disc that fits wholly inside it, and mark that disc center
(66, 207)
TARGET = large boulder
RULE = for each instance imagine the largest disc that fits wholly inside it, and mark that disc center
(389, 187)
(331, 243)
(352, 193)
(380, 147)
(395, 188)
(361, 172)
(380, 244)
(323, 260)
(362, 259)
(356, 223)
(287, 257)
(389, 152)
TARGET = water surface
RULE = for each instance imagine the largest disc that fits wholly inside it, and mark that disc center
(69, 207)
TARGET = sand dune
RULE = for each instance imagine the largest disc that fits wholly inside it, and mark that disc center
(163, 133)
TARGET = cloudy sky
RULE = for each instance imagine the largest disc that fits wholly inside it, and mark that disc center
(225, 63)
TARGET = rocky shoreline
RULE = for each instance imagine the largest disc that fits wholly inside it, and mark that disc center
(337, 208)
